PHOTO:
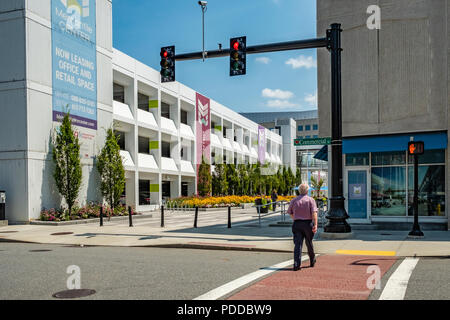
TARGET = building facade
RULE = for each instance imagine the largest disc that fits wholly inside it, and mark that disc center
(60, 57)
(394, 90)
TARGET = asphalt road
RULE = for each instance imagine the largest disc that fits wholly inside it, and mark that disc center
(123, 273)
(36, 271)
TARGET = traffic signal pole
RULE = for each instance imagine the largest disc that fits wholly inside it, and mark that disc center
(337, 214)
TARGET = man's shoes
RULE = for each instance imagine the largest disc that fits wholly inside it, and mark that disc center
(313, 262)
(296, 268)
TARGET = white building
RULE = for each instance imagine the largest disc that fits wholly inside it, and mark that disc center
(52, 61)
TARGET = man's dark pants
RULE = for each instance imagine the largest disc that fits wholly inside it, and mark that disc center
(302, 229)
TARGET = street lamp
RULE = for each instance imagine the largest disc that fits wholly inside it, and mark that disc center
(337, 215)
(203, 5)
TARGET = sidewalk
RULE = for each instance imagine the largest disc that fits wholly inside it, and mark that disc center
(244, 235)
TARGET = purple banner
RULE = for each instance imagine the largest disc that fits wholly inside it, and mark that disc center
(76, 120)
(261, 144)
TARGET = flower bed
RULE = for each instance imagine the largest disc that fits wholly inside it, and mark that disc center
(218, 202)
(90, 210)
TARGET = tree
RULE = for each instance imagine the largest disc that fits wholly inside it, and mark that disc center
(244, 179)
(204, 179)
(66, 157)
(298, 177)
(232, 178)
(317, 184)
(110, 168)
(220, 184)
(291, 180)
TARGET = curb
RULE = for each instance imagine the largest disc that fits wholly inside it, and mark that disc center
(85, 221)
(211, 247)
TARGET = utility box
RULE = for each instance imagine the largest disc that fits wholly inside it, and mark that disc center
(2, 205)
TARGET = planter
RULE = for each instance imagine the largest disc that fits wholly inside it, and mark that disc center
(264, 209)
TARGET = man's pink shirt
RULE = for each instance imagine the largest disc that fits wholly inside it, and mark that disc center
(302, 207)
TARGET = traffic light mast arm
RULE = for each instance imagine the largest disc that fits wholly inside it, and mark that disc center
(272, 47)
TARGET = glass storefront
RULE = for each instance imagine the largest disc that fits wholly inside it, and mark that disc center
(392, 182)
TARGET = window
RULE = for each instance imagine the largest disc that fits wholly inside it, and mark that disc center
(307, 127)
(278, 130)
(307, 137)
(121, 140)
(431, 181)
(184, 117)
(224, 132)
(315, 127)
(144, 192)
(300, 137)
(184, 189)
(165, 110)
(143, 102)
(213, 158)
(300, 128)
(388, 191)
(315, 136)
(144, 145)
(388, 158)
(430, 156)
(357, 159)
(119, 93)
(165, 149)
(166, 189)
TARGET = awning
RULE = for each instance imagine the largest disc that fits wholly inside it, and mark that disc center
(322, 154)
(436, 140)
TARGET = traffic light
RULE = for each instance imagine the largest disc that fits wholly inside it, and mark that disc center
(238, 47)
(415, 147)
(168, 64)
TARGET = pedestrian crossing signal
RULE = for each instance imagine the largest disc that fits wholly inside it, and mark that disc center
(415, 147)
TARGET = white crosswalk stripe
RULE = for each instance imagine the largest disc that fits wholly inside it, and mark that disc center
(395, 288)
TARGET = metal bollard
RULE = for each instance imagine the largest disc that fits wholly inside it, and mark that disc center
(101, 216)
(196, 217)
(162, 216)
(229, 217)
(130, 216)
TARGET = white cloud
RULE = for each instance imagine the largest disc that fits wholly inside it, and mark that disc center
(280, 103)
(277, 94)
(302, 62)
(311, 99)
(264, 60)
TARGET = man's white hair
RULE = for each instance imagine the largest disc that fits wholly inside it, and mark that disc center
(303, 188)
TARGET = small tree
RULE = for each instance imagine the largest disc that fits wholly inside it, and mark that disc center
(298, 177)
(220, 184)
(66, 157)
(204, 179)
(110, 168)
(317, 184)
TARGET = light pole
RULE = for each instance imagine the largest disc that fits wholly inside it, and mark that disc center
(337, 215)
(203, 5)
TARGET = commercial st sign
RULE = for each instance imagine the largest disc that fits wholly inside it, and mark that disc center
(312, 142)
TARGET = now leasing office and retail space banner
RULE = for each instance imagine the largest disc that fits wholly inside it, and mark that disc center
(203, 134)
(74, 59)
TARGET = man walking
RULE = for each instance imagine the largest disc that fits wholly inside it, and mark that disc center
(303, 210)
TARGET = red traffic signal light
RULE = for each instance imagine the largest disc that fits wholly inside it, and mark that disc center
(167, 64)
(238, 56)
(416, 147)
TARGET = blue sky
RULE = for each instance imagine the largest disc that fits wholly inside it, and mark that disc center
(279, 81)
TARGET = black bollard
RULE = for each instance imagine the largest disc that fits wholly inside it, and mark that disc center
(196, 217)
(101, 216)
(130, 216)
(162, 216)
(229, 217)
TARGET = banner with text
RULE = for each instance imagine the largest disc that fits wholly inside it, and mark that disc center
(261, 144)
(203, 134)
(74, 61)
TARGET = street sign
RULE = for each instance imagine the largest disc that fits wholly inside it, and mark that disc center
(312, 142)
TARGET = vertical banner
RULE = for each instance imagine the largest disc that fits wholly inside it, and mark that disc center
(261, 144)
(74, 61)
(203, 134)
